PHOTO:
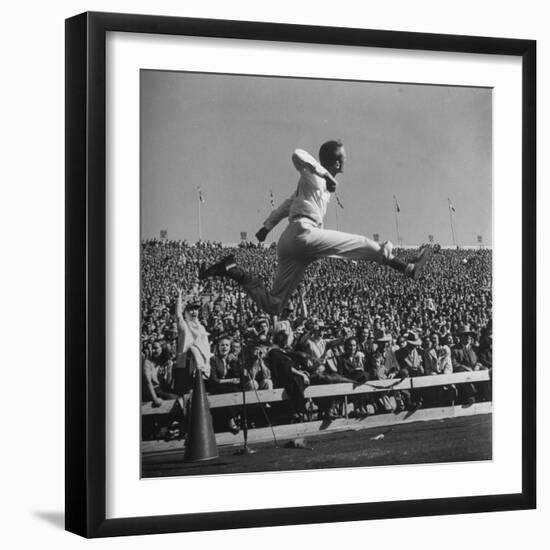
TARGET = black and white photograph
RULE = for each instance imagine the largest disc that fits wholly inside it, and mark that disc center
(316, 273)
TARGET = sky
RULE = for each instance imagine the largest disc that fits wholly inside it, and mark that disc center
(232, 136)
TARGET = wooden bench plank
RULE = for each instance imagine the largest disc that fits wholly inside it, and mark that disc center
(329, 390)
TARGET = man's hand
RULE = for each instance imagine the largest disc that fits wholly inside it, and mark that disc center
(332, 184)
(157, 402)
(262, 234)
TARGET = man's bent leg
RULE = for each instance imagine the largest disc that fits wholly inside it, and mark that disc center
(288, 275)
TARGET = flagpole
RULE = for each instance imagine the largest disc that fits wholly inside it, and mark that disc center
(451, 220)
(396, 221)
(272, 204)
(200, 219)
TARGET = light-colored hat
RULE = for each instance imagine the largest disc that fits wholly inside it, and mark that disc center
(412, 338)
(381, 336)
(465, 329)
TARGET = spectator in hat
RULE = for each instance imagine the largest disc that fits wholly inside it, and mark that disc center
(193, 348)
(316, 348)
(410, 363)
(463, 354)
(464, 359)
(408, 357)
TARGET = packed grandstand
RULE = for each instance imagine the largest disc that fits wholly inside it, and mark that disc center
(348, 321)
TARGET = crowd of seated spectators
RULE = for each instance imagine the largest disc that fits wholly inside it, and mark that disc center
(349, 321)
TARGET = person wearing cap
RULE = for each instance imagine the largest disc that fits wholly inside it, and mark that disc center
(284, 322)
(463, 354)
(408, 357)
(464, 359)
(410, 364)
(193, 348)
(324, 368)
(305, 240)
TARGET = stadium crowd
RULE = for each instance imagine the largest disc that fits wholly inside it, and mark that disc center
(348, 321)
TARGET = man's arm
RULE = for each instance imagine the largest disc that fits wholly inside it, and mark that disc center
(182, 326)
(306, 164)
(303, 161)
(277, 215)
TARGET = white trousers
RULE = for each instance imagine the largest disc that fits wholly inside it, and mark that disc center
(302, 243)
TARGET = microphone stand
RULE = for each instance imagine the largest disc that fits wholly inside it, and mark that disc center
(245, 450)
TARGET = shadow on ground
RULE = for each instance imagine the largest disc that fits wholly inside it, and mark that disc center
(57, 519)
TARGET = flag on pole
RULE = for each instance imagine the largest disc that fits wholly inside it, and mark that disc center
(451, 206)
(397, 208)
(376, 237)
(201, 199)
(163, 233)
(271, 201)
(479, 239)
(431, 238)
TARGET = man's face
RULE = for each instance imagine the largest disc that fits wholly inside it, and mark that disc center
(341, 159)
(351, 347)
(224, 346)
(382, 346)
(464, 339)
(157, 350)
(236, 348)
(193, 312)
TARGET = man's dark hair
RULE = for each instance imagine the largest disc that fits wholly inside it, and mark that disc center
(328, 153)
(281, 339)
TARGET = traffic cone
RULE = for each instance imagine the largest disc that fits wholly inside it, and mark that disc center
(201, 441)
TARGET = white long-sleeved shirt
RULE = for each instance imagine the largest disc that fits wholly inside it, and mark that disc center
(311, 198)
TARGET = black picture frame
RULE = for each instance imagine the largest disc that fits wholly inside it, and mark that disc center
(86, 269)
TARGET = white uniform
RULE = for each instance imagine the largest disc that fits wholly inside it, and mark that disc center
(304, 240)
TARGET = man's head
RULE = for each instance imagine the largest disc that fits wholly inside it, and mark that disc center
(235, 347)
(350, 346)
(333, 156)
(224, 345)
(262, 326)
(192, 309)
(281, 339)
(157, 349)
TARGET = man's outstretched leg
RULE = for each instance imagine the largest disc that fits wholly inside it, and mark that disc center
(322, 243)
(412, 269)
(288, 275)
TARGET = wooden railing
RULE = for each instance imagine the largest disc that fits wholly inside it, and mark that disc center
(330, 390)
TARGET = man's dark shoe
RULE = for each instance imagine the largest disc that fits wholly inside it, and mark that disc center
(416, 269)
(217, 270)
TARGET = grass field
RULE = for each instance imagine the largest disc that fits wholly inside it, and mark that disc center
(450, 440)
